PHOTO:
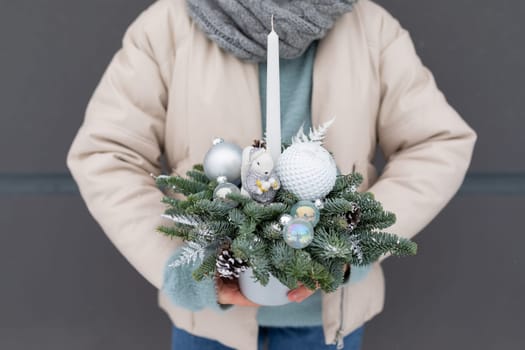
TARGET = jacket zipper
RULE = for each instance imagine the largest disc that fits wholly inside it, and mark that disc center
(339, 341)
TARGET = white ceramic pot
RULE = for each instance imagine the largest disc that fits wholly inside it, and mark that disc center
(272, 294)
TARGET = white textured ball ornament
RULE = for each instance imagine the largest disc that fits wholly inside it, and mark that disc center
(307, 170)
(223, 159)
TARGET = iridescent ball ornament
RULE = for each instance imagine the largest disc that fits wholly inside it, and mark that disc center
(298, 233)
(306, 210)
(223, 159)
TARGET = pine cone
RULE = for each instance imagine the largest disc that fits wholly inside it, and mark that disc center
(353, 217)
(228, 266)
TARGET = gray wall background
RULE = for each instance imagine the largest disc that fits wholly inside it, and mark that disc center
(63, 285)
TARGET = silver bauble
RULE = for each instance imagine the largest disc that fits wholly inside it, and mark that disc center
(307, 170)
(217, 140)
(223, 159)
(285, 219)
(222, 179)
(319, 204)
(222, 191)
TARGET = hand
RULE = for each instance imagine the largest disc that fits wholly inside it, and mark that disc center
(228, 292)
(300, 293)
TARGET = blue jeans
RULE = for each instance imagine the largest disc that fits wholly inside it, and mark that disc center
(285, 338)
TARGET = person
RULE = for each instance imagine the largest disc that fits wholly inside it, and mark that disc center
(189, 71)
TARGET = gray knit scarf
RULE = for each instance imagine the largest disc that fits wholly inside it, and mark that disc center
(241, 26)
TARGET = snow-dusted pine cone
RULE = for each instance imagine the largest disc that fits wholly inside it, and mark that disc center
(229, 266)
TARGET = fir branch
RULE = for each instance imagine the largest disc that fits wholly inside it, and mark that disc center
(185, 186)
(201, 234)
(373, 216)
(212, 184)
(281, 255)
(189, 220)
(239, 198)
(299, 266)
(236, 216)
(247, 227)
(328, 245)
(249, 248)
(212, 231)
(198, 167)
(271, 230)
(179, 231)
(177, 205)
(286, 197)
(284, 278)
(191, 253)
(206, 269)
(337, 271)
(375, 244)
(355, 246)
(261, 269)
(318, 276)
(292, 266)
(261, 212)
(336, 206)
(318, 134)
(376, 220)
(198, 176)
(346, 184)
(171, 201)
(195, 197)
(217, 209)
(161, 181)
(315, 134)
(336, 222)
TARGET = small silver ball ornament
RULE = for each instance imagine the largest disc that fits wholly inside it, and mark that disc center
(223, 159)
(223, 190)
(285, 219)
(217, 140)
(319, 204)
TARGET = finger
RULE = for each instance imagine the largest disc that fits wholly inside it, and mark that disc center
(229, 293)
(235, 298)
(299, 294)
(239, 299)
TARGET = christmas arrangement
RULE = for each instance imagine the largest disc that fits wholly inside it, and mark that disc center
(297, 221)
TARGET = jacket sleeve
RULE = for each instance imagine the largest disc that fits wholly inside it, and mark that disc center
(117, 147)
(427, 145)
(183, 291)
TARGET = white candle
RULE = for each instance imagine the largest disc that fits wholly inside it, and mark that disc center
(273, 103)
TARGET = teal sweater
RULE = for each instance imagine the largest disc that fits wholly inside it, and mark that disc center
(296, 90)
